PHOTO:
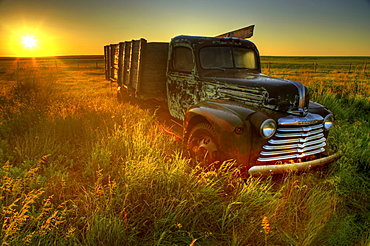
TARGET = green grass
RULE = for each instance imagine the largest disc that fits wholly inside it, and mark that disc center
(79, 169)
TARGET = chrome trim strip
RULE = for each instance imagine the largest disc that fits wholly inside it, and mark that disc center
(292, 156)
(298, 134)
(292, 120)
(295, 150)
(296, 145)
(300, 129)
(295, 140)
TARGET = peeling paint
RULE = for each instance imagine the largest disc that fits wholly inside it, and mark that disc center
(242, 85)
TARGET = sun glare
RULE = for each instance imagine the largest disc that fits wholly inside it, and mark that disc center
(29, 42)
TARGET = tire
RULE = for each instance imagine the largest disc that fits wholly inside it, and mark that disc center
(119, 97)
(202, 145)
(122, 96)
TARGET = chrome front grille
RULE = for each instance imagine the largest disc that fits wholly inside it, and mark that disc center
(295, 139)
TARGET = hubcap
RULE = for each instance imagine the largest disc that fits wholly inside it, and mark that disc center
(205, 150)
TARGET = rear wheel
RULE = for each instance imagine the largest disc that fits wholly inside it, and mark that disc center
(202, 144)
(120, 96)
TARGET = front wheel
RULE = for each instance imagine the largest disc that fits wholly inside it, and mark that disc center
(202, 145)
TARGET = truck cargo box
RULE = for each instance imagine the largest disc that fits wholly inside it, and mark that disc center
(138, 66)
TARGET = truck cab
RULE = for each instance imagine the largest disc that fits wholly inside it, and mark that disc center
(195, 60)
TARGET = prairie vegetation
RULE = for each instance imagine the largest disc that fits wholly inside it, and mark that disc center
(79, 169)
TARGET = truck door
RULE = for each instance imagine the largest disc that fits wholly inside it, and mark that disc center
(181, 81)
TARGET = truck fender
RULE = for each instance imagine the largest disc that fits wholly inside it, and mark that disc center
(230, 123)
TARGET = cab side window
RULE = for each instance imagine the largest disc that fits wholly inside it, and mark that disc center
(182, 59)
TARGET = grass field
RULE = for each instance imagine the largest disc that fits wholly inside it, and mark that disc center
(79, 169)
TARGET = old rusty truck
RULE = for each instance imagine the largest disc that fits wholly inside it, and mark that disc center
(214, 91)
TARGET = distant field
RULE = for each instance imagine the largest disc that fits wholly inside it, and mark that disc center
(77, 168)
(51, 62)
(346, 77)
(323, 64)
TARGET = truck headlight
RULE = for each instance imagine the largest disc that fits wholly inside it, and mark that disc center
(328, 122)
(268, 128)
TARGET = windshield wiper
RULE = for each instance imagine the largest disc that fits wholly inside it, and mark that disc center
(249, 69)
(217, 68)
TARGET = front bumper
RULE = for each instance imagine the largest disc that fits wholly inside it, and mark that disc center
(293, 167)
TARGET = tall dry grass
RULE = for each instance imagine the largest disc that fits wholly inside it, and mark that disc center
(79, 169)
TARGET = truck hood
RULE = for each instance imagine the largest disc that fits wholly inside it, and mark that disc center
(261, 90)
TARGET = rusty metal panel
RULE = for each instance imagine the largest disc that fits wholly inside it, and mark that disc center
(127, 64)
(115, 66)
(135, 52)
(106, 62)
(121, 55)
(140, 60)
(153, 70)
(113, 62)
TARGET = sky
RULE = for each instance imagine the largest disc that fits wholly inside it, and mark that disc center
(282, 27)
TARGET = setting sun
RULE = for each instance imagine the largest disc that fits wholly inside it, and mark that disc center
(32, 42)
(29, 42)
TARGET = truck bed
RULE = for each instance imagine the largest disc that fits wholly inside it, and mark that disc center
(138, 66)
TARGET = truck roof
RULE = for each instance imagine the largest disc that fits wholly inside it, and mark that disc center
(207, 41)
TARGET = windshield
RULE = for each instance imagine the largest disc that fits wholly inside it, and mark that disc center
(227, 57)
